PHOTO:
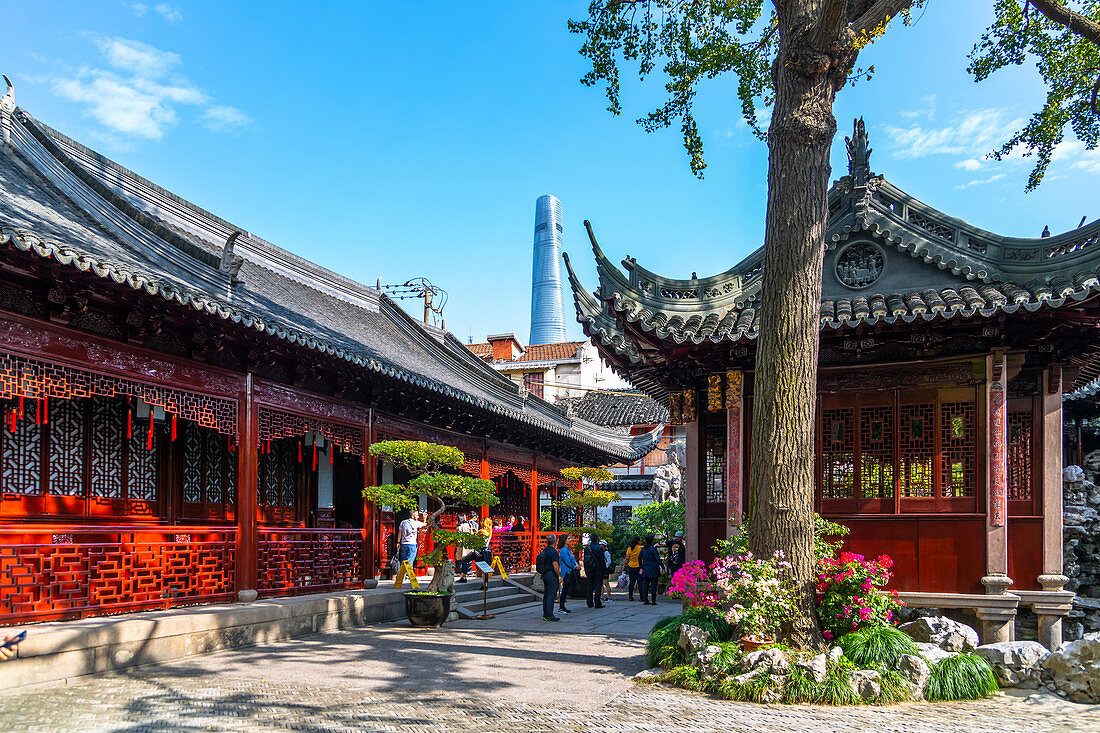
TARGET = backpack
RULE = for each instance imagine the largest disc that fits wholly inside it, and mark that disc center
(543, 564)
(593, 560)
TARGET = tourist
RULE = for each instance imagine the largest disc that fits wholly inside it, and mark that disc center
(548, 565)
(519, 526)
(633, 565)
(406, 537)
(498, 524)
(651, 570)
(568, 571)
(464, 559)
(676, 554)
(511, 522)
(595, 568)
(609, 567)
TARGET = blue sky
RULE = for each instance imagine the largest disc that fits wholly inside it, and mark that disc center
(395, 140)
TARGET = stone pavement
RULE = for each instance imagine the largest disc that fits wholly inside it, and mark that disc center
(513, 673)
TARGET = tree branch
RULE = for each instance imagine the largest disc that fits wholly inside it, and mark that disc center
(1070, 20)
(878, 14)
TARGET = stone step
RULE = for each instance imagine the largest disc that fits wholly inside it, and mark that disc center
(469, 596)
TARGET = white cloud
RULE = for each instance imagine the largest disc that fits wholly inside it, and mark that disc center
(977, 132)
(142, 59)
(980, 182)
(222, 117)
(1072, 154)
(927, 109)
(142, 94)
(969, 164)
(168, 12)
(139, 9)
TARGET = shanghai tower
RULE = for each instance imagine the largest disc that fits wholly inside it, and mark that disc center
(547, 309)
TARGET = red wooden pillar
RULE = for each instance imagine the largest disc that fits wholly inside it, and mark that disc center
(484, 475)
(248, 443)
(370, 514)
(997, 624)
(533, 523)
(734, 460)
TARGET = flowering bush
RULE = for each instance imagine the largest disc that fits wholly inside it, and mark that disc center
(758, 595)
(850, 595)
(692, 583)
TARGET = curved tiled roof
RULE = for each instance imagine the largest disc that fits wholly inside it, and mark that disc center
(951, 270)
(95, 216)
(615, 408)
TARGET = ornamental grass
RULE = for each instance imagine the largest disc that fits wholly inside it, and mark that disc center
(962, 677)
(877, 647)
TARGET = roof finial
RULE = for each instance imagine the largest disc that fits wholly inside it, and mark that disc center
(230, 263)
(7, 106)
(859, 154)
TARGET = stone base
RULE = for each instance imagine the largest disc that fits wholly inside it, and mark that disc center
(55, 651)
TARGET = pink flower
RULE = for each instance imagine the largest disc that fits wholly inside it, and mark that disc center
(827, 634)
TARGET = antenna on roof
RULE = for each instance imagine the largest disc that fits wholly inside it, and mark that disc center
(7, 106)
(435, 298)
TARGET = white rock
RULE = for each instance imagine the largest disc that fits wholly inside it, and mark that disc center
(866, 683)
(646, 674)
(815, 666)
(692, 639)
(945, 633)
(834, 655)
(1073, 474)
(915, 671)
(769, 660)
(1016, 663)
(775, 692)
(1075, 669)
(932, 653)
(743, 678)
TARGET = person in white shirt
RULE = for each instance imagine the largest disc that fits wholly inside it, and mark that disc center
(406, 537)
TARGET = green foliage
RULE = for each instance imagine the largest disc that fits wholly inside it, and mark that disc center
(876, 647)
(801, 687)
(417, 456)
(662, 519)
(752, 690)
(698, 41)
(836, 690)
(962, 677)
(590, 475)
(728, 658)
(586, 499)
(447, 538)
(661, 648)
(618, 537)
(895, 688)
(393, 495)
(1068, 63)
(828, 537)
(458, 489)
(685, 676)
(545, 520)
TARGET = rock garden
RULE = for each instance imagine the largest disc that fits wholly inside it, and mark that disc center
(725, 642)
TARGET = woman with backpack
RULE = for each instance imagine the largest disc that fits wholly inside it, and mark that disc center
(651, 570)
(633, 565)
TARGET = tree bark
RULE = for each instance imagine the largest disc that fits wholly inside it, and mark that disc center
(811, 65)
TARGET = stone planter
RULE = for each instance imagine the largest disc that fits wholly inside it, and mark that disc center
(427, 609)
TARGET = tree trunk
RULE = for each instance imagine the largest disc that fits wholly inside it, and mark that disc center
(806, 79)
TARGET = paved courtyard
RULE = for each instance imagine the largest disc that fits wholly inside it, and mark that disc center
(514, 673)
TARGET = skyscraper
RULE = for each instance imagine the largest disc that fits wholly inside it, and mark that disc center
(547, 305)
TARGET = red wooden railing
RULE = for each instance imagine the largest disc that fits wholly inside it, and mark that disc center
(513, 549)
(295, 561)
(53, 573)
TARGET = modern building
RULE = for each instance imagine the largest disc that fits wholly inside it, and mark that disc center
(187, 408)
(945, 352)
(547, 296)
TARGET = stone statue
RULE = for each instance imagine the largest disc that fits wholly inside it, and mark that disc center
(668, 480)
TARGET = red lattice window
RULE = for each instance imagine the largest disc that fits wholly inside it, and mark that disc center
(209, 472)
(278, 475)
(876, 452)
(959, 474)
(512, 492)
(1019, 456)
(916, 448)
(714, 481)
(838, 453)
(275, 424)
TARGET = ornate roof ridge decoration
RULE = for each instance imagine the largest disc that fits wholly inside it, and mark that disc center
(205, 289)
(633, 309)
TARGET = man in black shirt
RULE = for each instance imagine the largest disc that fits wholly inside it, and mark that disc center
(547, 565)
(595, 567)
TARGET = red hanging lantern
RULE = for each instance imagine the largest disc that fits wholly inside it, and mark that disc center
(331, 452)
(20, 407)
(173, 426)
(268, 448)
(299, 450)
(12, 419)
(38, 412)
(315, 454)
(149, 437)
(129, 419)
(45, 408)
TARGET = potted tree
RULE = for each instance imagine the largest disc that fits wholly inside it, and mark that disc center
(429, 464)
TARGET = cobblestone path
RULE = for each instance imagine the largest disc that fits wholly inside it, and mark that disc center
(514, 673)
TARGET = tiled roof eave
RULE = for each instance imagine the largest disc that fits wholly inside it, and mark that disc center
(32, 244)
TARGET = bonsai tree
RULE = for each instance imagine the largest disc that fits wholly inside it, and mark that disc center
(428, 463)
(587, 496)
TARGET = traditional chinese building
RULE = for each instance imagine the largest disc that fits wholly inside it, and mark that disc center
(187, 408)
(945, 351)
